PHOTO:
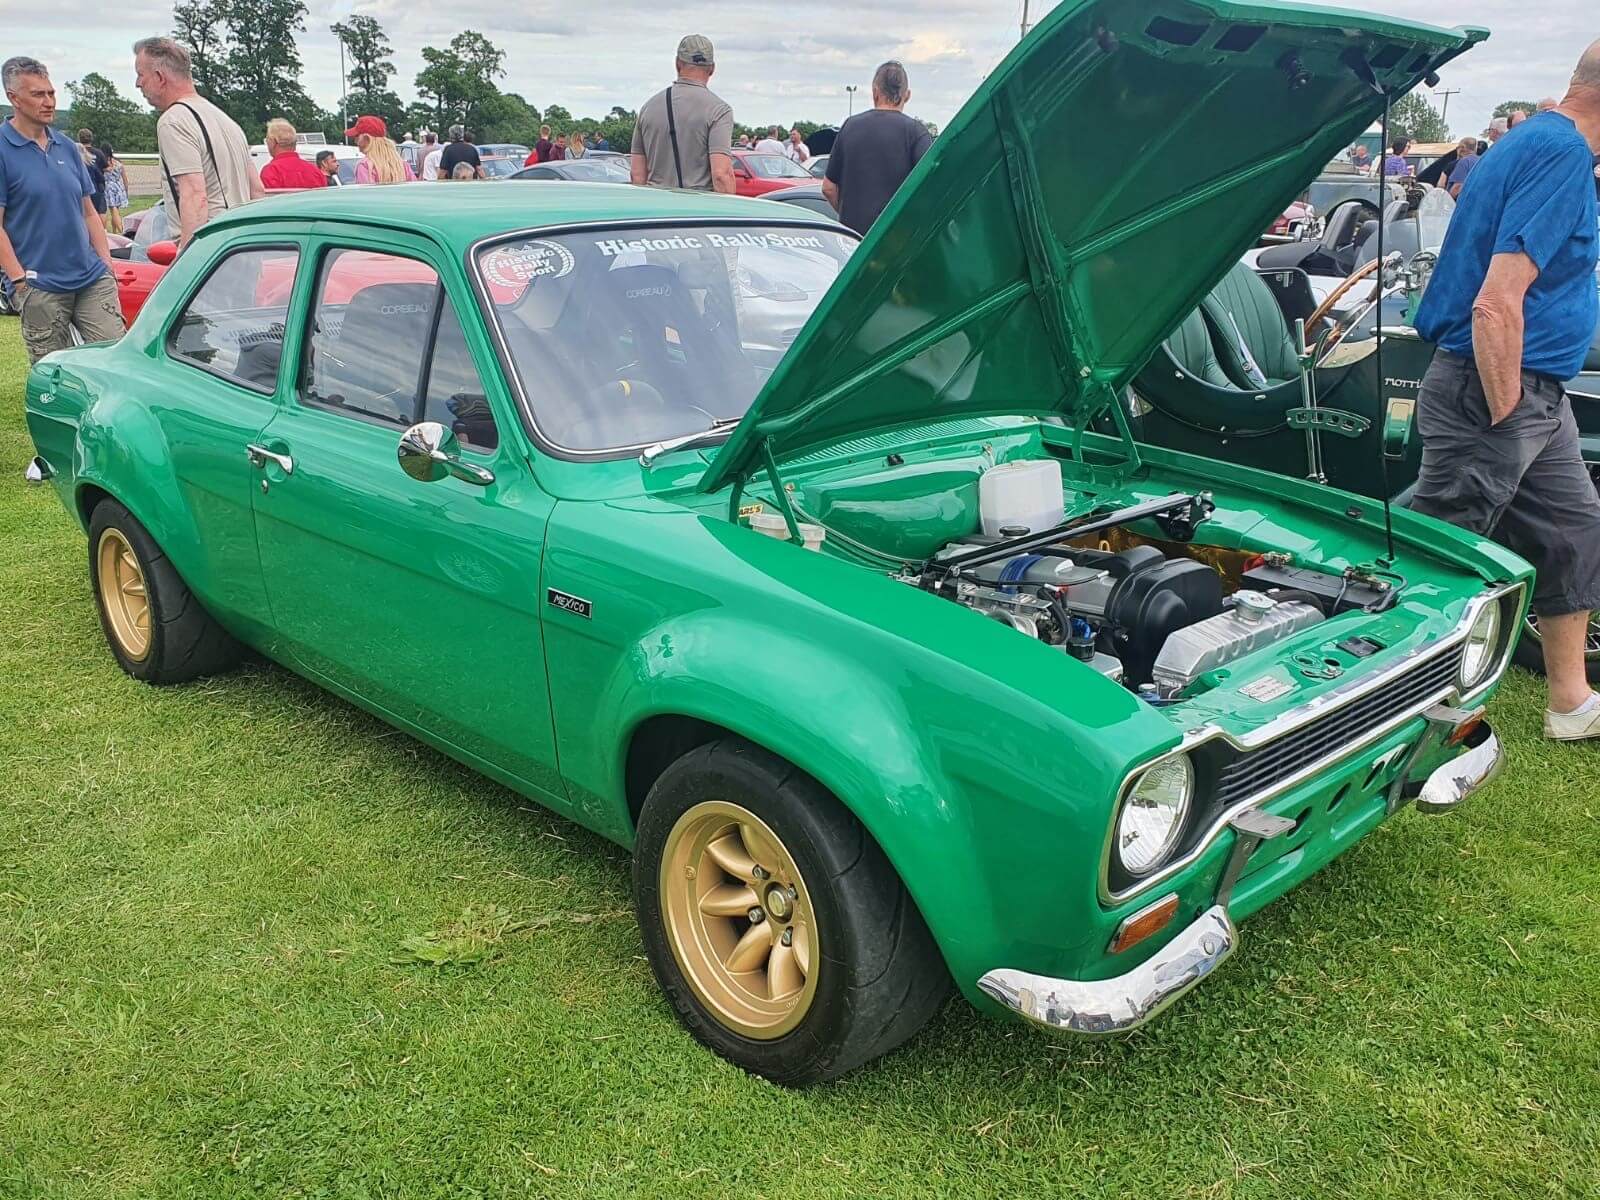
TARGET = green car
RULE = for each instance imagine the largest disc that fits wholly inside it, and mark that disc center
(798, 566)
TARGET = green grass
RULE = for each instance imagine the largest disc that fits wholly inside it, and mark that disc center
(216, 980)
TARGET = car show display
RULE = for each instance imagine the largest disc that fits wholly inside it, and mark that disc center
(829, 578)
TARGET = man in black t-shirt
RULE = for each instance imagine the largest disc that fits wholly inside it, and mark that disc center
(875, 151)
(459, 151)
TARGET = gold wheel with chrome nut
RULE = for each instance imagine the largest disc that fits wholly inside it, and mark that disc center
(124, 595)
(777, 928)
(739, 919)
(157, 629)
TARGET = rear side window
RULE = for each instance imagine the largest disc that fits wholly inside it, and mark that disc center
(385, 345)
(233, 327)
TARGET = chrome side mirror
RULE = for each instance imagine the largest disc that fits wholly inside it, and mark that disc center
(428, 451)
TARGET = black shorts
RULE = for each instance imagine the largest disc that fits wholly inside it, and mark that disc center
(1522, 482)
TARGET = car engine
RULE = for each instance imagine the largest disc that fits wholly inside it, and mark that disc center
(1152, 621)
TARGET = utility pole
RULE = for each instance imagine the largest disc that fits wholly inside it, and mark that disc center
(1445, 111)
(344, 95)
(1024, 19)
(850, 90)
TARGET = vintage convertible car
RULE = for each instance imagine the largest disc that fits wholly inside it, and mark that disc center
(1228, 382)
(797, 567)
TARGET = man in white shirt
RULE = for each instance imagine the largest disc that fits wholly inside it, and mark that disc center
(795, 149)
(770, 144)
(431, 153)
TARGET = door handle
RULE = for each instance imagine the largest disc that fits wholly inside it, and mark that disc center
(260, 456)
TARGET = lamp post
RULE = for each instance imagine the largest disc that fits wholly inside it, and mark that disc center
(344, 94)
(850, 90)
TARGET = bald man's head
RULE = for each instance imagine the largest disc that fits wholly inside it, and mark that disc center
(1588, 73)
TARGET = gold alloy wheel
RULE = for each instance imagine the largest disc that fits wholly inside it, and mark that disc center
(739, 920)
(123, 595)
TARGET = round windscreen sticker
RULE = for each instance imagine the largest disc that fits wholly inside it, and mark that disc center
(509, 269)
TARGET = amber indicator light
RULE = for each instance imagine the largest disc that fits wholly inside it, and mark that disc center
(1149, 920)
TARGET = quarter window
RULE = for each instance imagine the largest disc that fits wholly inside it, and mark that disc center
(385, 345)
(233, 327)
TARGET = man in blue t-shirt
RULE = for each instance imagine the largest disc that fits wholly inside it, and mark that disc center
(54, 262)
(1512, 308)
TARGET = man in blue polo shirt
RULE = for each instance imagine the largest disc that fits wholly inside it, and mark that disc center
(1513, 308)
(54, 262)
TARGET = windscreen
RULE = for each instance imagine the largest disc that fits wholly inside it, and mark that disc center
(775, 166)
(624, 337)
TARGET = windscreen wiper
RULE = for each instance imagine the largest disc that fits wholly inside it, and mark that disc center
(689, 441)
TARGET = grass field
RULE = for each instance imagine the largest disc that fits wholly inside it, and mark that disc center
(207, 895)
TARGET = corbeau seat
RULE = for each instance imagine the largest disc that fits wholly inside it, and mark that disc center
(359, 368)
(1248, 331)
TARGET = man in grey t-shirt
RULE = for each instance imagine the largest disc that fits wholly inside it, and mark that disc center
(684, 135)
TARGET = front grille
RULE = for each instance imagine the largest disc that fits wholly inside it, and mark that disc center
(1251, 772)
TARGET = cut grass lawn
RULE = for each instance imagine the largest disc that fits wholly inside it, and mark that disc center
(253, 942)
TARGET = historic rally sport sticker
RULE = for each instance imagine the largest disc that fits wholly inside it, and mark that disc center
(510, 269)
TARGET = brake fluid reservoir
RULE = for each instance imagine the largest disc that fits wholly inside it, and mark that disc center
(1025, 494)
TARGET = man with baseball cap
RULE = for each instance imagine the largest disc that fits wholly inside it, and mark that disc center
(684, 135)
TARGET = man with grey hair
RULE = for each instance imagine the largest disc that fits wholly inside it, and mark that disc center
(684, 135)
(1512, 308)
(457, 152)
(205, 157)
(54, 262)
(875, 151)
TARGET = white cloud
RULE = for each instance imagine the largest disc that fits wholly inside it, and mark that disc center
(778, 62)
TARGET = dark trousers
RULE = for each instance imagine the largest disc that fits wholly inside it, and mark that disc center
(1522, 482)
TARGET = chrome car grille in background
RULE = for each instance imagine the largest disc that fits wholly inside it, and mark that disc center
(1249, 772)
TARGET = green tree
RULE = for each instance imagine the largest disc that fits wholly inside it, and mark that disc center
(1503, 109)
(370, 54)
(507, 117)
(98, 106)
(1413, 117)
(459, 80)
(263, 63)
(201, 26)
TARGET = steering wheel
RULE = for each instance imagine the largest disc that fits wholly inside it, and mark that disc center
(1338, 293)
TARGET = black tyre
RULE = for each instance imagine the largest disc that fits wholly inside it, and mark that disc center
(775, 925)
(156, 628)
(1530, 649)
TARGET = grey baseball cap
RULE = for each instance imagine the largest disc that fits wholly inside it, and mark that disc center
(696, 49)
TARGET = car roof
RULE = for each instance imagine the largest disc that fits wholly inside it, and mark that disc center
(464, 213)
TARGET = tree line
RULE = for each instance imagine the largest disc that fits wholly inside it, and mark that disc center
(246, 62)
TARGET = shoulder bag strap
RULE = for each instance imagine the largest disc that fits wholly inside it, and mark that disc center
(672, 133)
(216, 167)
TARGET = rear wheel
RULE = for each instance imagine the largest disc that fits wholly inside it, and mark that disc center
(775, 925)
(156, 628)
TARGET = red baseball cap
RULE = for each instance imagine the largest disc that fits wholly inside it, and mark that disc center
(371, 126)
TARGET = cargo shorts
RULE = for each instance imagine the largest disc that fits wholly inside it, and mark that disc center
(48, 317)
(1522, 482)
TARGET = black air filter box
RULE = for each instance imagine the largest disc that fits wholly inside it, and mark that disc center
(1149, 605)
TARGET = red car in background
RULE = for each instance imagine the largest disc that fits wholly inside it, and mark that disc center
(757, 174)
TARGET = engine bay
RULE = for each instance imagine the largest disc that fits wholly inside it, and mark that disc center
(1154, 614)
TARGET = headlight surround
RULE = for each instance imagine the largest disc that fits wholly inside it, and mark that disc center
(1482, 646)
(1151, 819)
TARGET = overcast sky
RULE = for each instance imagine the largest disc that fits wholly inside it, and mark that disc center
(777, 61)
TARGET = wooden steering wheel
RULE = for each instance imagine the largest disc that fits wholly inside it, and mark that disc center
(1323, 309)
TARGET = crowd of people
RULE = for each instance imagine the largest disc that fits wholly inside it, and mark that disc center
(59, 198)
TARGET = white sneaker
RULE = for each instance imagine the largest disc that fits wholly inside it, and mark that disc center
(1583, 722)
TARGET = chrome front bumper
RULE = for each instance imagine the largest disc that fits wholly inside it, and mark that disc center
(1132, 999)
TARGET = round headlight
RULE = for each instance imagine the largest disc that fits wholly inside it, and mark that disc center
(1483, 642)
(1152, 814)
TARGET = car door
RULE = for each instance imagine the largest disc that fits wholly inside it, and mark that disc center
(217, 391)
(418, 598)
